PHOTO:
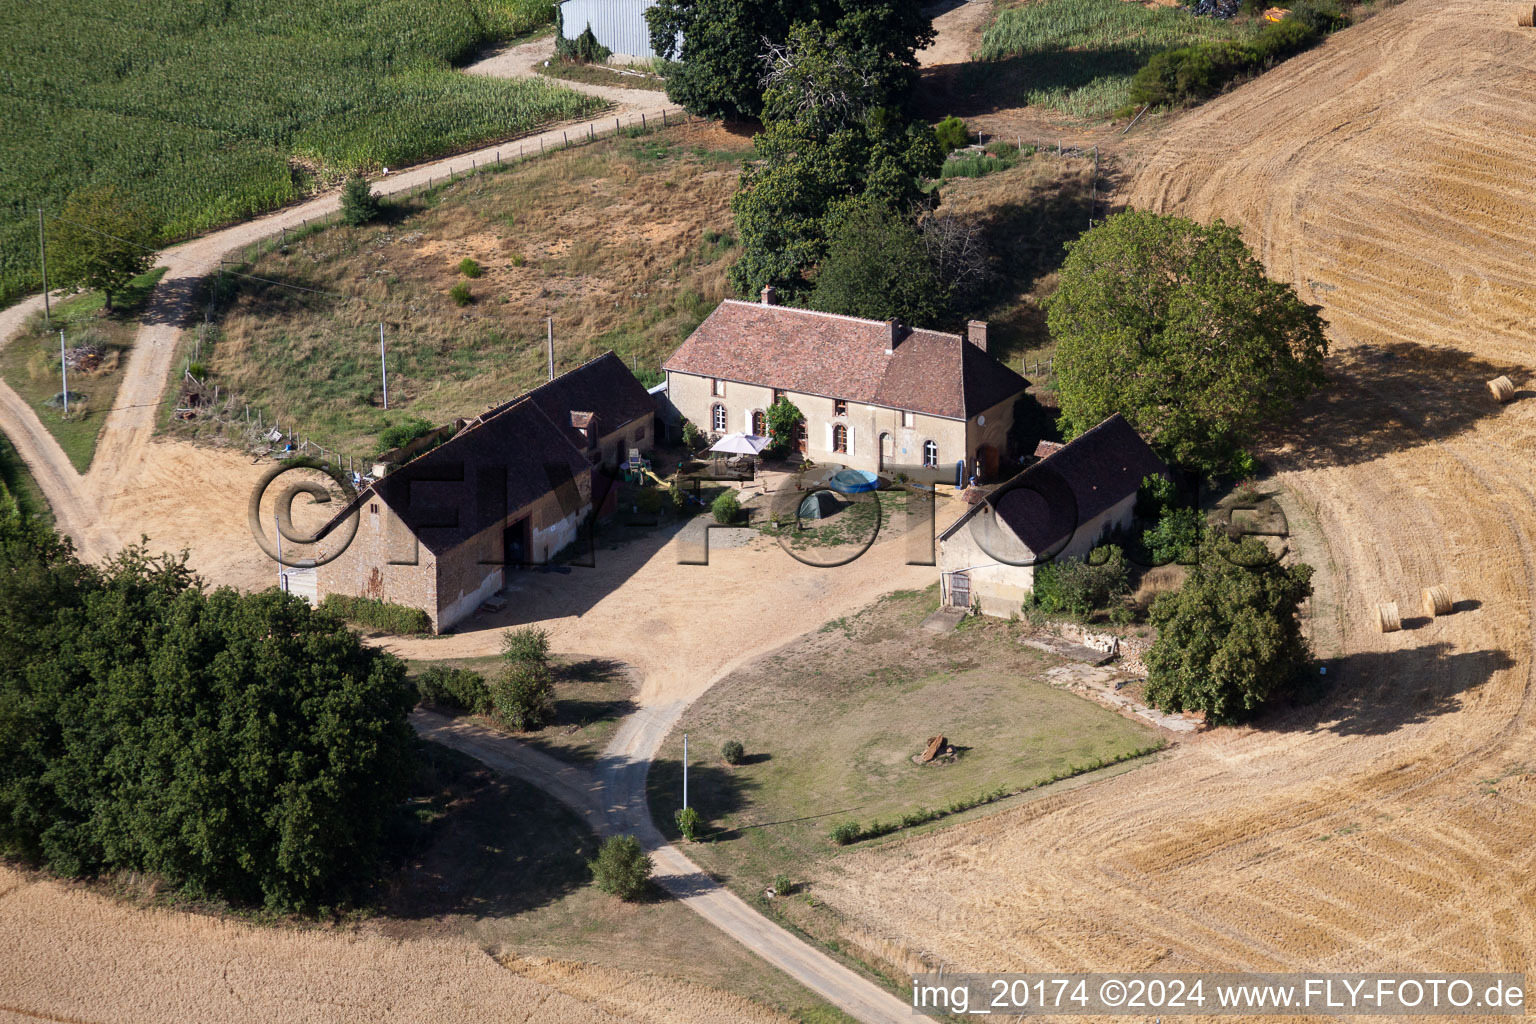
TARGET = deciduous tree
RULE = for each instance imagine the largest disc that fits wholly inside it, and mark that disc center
(1175, 325)
(1230, 638)
(102, 239)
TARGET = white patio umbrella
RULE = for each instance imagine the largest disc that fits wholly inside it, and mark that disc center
(741, 444)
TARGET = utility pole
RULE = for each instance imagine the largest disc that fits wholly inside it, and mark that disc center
(277, 528)
(550, 323)
(42, 249)
(685, 771)
(64, 371)
(383, 366)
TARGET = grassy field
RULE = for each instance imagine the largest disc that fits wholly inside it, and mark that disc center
(624, 242)
(591, 695)
(212, 112)
(498, 860)
(1078, 56)
(593, 74)
(830, 725)
(17, 487)
(30, 363)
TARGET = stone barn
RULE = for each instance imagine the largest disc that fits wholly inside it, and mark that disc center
(1062, 506)
(510, 489)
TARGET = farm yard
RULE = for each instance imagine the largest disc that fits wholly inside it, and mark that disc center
(210, 114)
(1386, 826)
(624, 242)
(830, 724)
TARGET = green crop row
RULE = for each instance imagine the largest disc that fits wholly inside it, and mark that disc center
(209, 111)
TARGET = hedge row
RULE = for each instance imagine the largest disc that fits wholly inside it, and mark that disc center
(376, 614)
(852, 832)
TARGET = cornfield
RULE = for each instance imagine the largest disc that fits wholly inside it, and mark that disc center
(213, 110)
(1080, 55)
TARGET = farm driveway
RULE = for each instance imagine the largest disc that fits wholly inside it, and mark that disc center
(520, 60)
(682, 627)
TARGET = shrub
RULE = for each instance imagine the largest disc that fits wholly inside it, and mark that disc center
(782, 886)
(784, 419)
(687, 819)
(622, 868)
(1175, 538)
(845, 833)
(358, 203)
(952, 134)
(1188, 74)
(198, 370)
(1080, 587)
(1155, 494)
(460, 294)
(693, 437)
(403, 433)
(469, 267)
(375, 614)
(732, 751)
(529, 644)
(725, 507)
(454, 688)
(584, 49)
(524, 696)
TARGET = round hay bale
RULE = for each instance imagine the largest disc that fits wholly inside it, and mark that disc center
(1437, 601)
(1386, 614)
(1526, 19)
(1503, 389)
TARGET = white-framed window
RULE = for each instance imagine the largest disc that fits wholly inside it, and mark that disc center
(759, 424)
(717, 387)
(718, 418)
(930, 455)
(840, 438)
(908, 419)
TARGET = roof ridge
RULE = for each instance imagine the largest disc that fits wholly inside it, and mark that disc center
(839, 316)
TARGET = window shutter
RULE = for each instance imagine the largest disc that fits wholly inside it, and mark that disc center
(850, 441)
(829, 438)
(748, 428)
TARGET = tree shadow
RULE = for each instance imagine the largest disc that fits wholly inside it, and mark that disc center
(173, 302)
(974, 88)
(474, 843)
(594, 670)
(715, 791)
(1374, 693)
(1389, 398)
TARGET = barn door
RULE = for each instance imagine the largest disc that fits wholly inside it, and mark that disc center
(960, 590)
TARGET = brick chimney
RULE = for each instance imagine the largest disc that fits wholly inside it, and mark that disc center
(976, 333)
(770, 296)
(897, 333)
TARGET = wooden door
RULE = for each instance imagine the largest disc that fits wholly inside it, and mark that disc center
(960, 590)
(887, 451)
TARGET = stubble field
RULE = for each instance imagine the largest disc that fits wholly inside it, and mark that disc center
(1390, 826)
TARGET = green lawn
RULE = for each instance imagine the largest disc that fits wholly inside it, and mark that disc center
(591, 695)
(29, 363)
(1078, 56)
(500, 862)
(830, 725)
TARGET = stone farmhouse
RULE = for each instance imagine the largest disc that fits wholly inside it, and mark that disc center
(507, 491)
(1062, 506)
(875, 395)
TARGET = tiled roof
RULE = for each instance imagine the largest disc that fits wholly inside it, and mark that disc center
(845, 357)
(510, 457)
(1044, 505)
(602, 388)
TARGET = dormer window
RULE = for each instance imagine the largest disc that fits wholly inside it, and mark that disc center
(839, 407)
(585, 425)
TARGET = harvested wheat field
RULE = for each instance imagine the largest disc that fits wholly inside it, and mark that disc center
(71, 955)
(1389, 826)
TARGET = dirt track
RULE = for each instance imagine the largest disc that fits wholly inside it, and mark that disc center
(1390, 827)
